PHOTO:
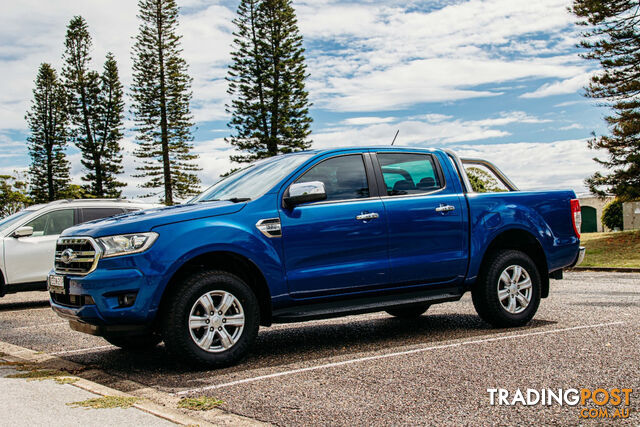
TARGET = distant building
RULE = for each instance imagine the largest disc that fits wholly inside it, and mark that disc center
(631, 215)
(592, 207)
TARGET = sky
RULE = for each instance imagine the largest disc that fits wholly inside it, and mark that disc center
(498, 79)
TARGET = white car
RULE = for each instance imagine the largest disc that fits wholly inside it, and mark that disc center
(28, 238)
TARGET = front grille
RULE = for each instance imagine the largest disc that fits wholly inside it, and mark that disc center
(75, 255)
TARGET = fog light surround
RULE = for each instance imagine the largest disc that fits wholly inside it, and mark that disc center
(127, 299)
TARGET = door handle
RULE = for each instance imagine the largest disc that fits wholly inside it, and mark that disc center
(365, 216)
(445, 208)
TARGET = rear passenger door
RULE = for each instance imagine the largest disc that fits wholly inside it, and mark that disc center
(427, 234)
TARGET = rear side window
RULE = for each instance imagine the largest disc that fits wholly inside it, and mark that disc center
(90, 214)
(344, 177)
(409, 173)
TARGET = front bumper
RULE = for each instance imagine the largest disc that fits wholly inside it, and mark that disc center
(580, 257)
(103, 314)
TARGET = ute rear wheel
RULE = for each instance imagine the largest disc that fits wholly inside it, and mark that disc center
(212, 319)
(410, 312)
(507, 292)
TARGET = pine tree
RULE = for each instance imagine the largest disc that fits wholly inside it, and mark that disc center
(270, 105)
(48, 123)
(161, 93)
(108, 134)
(94, 102)
(613, 39)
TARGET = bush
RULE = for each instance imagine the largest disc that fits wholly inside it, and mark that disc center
(612, 215)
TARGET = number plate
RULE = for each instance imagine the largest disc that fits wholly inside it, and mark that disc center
(56, 284)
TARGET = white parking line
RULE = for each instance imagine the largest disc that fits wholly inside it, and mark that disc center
(388, 355)
(82, 350)
(35, 326)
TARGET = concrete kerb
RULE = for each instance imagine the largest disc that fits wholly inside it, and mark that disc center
(215, 417)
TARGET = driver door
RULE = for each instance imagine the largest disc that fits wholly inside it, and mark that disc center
(338, 245)
(29, 259)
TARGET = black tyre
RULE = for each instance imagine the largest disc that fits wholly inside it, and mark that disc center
(135, 343)
(211, 320)
(409, 312)
(507, 292)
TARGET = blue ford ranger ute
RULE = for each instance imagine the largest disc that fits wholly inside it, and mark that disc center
(313, 235)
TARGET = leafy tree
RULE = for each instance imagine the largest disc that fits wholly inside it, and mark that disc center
(48, 123)
(13, 195)
(483, 182)
(270, 105)
(612, 38)
(96, 110)
(161, 93)
(74, 191)
(612, 215)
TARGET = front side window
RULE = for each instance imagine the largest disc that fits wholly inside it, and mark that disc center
(344, 177)
(409, 173)
(51, 223)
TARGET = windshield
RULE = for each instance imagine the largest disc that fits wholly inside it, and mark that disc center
(12, 219)
(254, 180)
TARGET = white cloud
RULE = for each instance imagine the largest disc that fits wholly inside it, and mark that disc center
(506, 118)
(572, 85)
(572, 126)
(358, 121)
(428, 129)
(394, 58)
(551, 165)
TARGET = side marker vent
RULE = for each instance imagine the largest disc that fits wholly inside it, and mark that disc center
(270, 227)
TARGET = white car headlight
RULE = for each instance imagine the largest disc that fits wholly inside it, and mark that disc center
(126, 244)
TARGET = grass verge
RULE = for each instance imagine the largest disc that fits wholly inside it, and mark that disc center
(621, 249)
(106, 402)
(203, 403)
(30, 372)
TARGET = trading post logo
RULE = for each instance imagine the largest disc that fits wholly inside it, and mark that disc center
(597, 403)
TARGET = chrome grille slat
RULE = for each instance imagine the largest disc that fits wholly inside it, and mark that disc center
(79, 259)
(80, 253)
(86, 253)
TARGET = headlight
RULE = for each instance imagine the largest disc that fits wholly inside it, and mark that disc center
(126, 244)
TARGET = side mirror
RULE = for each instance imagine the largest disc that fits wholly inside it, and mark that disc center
(23, 232)
(305, 192)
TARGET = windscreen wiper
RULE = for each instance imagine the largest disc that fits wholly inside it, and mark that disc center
(232, 200)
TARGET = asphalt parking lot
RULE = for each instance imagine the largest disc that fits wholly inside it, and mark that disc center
(377, 370)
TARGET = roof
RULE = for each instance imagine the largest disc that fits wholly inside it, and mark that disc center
(364, 148)
(377, 147)
(89, 202)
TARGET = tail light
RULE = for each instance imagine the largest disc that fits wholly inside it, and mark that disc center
(576, 216)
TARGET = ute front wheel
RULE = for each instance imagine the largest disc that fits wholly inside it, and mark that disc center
(212, 319)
